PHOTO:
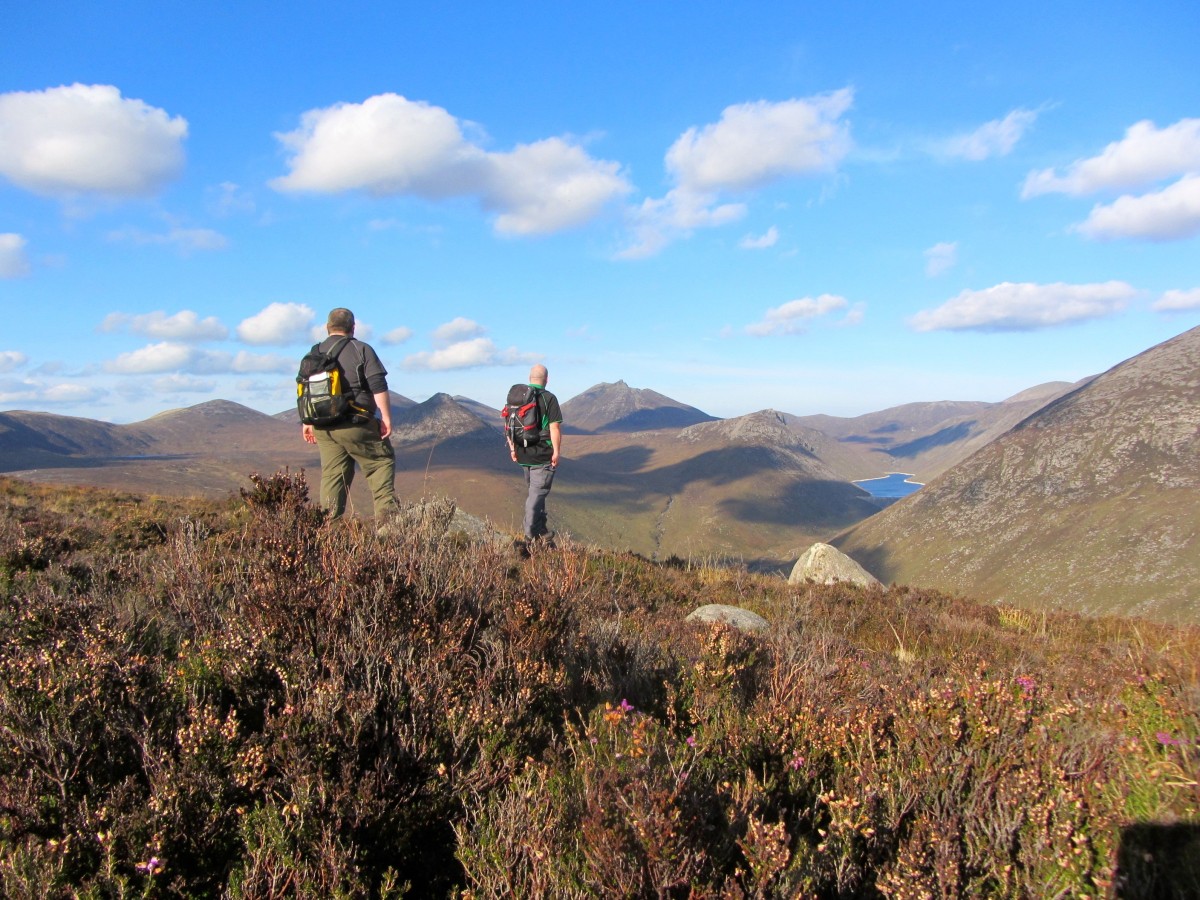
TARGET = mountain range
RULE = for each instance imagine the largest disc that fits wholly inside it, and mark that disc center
(1073, 495)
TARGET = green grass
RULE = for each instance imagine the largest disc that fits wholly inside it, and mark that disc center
(244, 700)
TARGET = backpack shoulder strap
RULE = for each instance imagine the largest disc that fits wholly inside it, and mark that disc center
(336, 349)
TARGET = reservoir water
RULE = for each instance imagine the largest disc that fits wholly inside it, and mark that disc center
(892, 486)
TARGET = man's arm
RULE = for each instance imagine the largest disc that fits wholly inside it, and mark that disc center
(555, 442)
(384, 403)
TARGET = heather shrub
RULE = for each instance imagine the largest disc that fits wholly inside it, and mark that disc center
(248, 700)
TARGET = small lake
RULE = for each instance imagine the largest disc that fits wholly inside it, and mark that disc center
(892, 486)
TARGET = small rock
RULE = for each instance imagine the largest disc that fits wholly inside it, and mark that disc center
(739, 618)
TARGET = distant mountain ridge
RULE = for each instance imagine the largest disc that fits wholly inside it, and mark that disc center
(619, 407)
(641, 472)
(925, 439)
(1092, 502)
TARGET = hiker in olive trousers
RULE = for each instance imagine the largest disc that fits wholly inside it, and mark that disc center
(363, 438)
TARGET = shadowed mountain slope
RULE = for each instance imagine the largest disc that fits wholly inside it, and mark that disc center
(34, 439)
(925, 439)
(750, 487)
(437, 419)
(619, 407)
(1092, 503)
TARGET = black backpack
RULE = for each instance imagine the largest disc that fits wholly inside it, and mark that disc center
(322, 395)
(522, 414)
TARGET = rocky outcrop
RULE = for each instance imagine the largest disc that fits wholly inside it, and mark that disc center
(735, 616)
(824, 564)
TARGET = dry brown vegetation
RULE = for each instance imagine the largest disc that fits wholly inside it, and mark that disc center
(244, 700)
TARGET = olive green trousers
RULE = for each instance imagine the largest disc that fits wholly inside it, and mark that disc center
(340, 449)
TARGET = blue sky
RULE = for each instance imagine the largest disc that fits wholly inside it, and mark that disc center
(817, 208)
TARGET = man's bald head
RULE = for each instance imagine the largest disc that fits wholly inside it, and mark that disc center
(538, 375)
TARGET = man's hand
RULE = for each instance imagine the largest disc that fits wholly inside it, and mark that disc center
(306, 432)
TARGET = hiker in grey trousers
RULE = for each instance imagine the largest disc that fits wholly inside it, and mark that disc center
(540, 460)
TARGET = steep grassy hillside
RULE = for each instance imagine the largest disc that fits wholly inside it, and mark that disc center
(1090, 504)
(244, 700)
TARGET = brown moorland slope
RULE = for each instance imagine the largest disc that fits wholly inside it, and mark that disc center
(238, 700)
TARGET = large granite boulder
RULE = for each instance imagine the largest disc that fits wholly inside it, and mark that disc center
(825, 565)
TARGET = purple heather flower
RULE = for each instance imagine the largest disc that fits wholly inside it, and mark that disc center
(691, 741)
(625, 706)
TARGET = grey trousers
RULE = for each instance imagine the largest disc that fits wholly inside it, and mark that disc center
(538, 479)
(340, 449)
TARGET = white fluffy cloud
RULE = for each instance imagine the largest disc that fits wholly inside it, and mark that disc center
(757, 143)
(462, 343)
(162, 357)
(1178, 301)
(11, 360)
(168, 356)
(1145, 155)
(456, 330)
(1167, 215)
(940, 258)
(389, 145)
(480, 351)
(279, 323)
(1025, 307)
(13, 261)
(794, 316)
(88, 139)
(994, 138)
(182, 326)
(548, 186)
(752, 145)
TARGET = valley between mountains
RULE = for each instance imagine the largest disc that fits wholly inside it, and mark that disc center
(1075, 496)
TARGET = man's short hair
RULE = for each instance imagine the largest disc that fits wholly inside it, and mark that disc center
(340, 319)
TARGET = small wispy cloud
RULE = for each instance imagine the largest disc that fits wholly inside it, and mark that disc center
(1178, 301)
(795, 316)
(941, 258)
(995, 138)
(10, 360)
(397, 335)
(14, 263)
(1025, 307)
(184, 239)
(185, 326)
(760, 242)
